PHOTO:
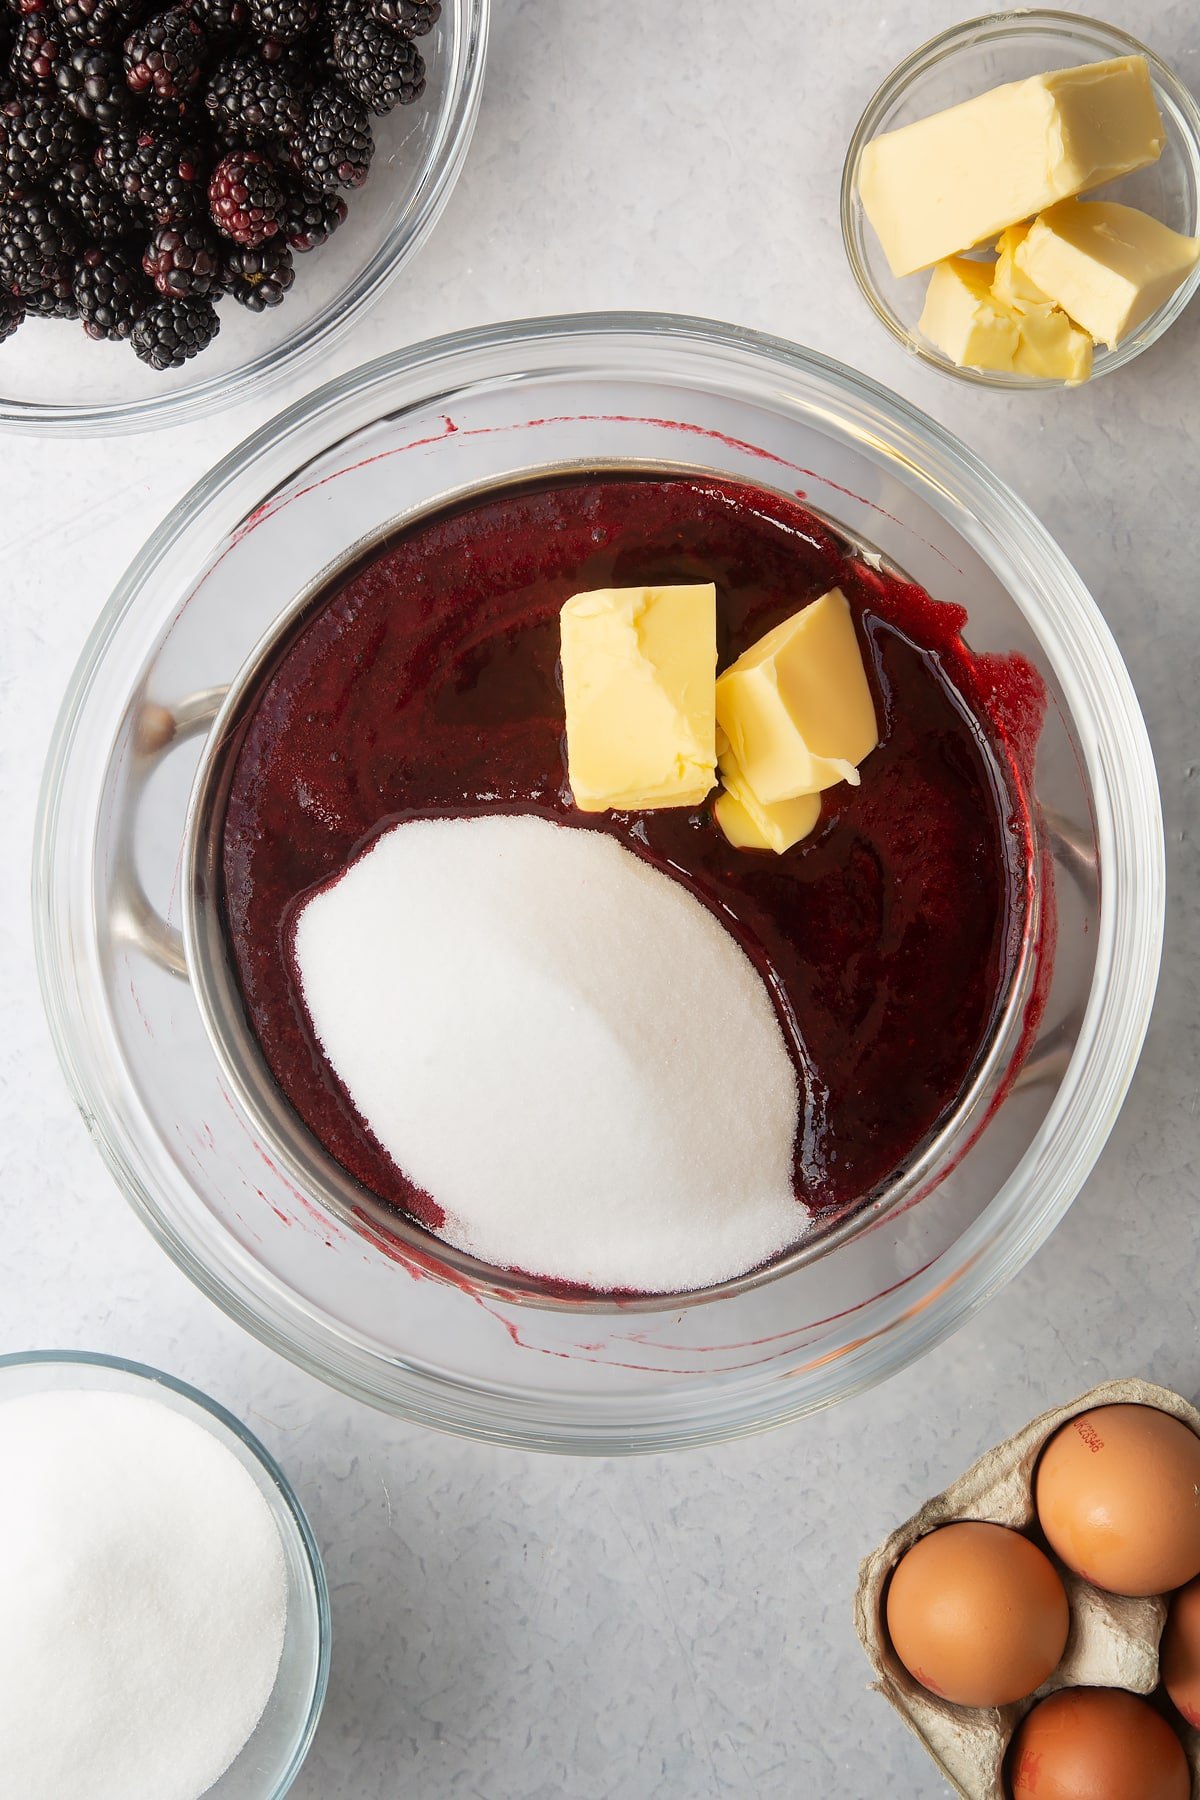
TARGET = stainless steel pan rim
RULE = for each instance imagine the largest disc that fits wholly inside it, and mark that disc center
(200, 953)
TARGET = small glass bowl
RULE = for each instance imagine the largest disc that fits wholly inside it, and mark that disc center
(55, 381)
(270, 1760)
(967, 60)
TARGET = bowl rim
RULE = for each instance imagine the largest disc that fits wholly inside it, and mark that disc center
(893, 1329)
(210, 394)
(991, 27)
(317, 1582)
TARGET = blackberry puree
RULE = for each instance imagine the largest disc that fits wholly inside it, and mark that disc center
(424, 683)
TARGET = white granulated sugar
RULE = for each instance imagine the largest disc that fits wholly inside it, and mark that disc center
(563, 1047)
(143, 1600)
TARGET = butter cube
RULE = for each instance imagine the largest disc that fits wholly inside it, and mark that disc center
(1108, 266)
(795, 709)
(963, 317)
(639, 667)
(948, 182)
(751, 826)
(1051, 345)
(1010, 283)
(966, 318)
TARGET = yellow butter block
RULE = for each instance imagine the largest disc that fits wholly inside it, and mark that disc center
(966, 320)
(1108, 266)
(639, 667)
(796, 708)
(1010, 283)
(956, 179)
(1051, 345)
(751, 826)
(966, 317)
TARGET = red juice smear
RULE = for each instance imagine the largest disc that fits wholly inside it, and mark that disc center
(424, 684)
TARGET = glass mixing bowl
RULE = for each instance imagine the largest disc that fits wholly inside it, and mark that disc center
(270, 1760)
(359, 1304)
(55, 380)
(981, 54)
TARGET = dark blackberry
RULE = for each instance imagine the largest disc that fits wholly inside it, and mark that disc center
(104, 215)
(98, 21)
(283, 20)
(311, 217)
(409, 17)
(171, 331)
(333, 147)
(57, 301)
(252, 102)
(183, 259)
(163, 57)
(245, 198)
(222, 20)
(37, 136)
(38, 48)
(37, 236)
(110, 292)
(92, 80)
(379, 68)
(259, 277)
(155, 171)
(12, 314)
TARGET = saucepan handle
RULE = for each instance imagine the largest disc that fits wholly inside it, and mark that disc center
(157, 731)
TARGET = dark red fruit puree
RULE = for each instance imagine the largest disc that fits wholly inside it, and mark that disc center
(425, 684)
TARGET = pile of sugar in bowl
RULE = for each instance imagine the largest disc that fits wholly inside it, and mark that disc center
(144, 1600)
(562, 1047)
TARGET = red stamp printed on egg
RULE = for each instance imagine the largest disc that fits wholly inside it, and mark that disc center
(1089, 1434)
(1025, 1778)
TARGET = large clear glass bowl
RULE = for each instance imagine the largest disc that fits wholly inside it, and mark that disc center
(268, 1763)
(55, 380)
(969, 59)
(347, 1300)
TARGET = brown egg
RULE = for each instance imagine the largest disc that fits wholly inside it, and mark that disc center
(977, 1614)
(1179, 1657)
(1118, 1497)
(1097, 1744)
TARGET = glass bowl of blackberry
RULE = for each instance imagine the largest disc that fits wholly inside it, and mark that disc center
(197, 196)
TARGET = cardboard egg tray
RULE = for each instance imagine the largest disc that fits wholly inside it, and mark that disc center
(1113, 1641)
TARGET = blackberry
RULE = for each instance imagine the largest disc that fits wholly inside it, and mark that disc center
(333, 147)
(37, 236)
(379, 68)
(245, 197)
(171, 331)
(221, 19)
(283, 20)
(37, 136)
(163, 57)
(98, 21)
(38, 48)
(57, 301)
(92, 81)
(156, 171)
(110, 292)
(183, 259)
(409, 17)
(259, 277)
(311, 217)
(104, 215)
(12, 314)
(252, 102)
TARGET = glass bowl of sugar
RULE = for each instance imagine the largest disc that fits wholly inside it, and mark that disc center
(142, 1504)
(153, 1034)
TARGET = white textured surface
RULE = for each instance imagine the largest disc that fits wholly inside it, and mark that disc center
(520, 1628)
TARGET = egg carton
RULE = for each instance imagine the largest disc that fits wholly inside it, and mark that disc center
(1113, 1641)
